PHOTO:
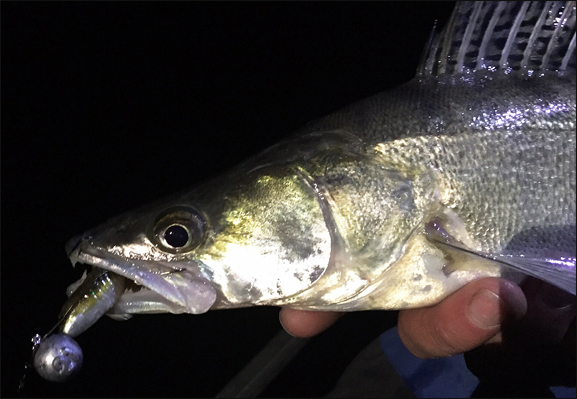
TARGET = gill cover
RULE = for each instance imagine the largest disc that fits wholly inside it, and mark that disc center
(313, 221)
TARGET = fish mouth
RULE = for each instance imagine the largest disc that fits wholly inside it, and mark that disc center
(152, 286)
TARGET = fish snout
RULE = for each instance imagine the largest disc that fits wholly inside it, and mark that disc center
(72, 244)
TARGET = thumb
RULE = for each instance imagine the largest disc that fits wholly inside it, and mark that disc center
(464, 320)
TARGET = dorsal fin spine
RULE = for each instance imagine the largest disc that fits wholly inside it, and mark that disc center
(467, 36)
(569, 53)
(448, 36)
(431, 64)
(556, 33)
(504, 62)
(489, 32)
(426, 59)
(534, 34)
(508, 36)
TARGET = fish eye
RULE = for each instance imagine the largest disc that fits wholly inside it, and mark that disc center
(176, 236)
(178, 230)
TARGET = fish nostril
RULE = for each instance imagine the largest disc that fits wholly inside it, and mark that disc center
(72, 244)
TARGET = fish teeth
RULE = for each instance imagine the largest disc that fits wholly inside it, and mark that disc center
(133, 286)
(74, 260)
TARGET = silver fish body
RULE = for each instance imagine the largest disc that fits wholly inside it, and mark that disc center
(339, 215)
(503, 148)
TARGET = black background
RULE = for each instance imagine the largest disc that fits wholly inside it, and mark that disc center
(106, 106)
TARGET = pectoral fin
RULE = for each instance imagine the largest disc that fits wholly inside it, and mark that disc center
(555, 268)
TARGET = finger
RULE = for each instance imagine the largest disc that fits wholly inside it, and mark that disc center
(464, 320)
(304, 324)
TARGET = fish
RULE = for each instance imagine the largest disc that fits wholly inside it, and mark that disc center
(467, 171)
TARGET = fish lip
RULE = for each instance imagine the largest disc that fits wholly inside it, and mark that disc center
(136, 270)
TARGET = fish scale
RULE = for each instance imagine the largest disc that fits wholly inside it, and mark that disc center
(494, 158)
(394, 202)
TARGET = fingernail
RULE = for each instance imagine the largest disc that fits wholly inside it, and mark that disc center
(484, 309)
(556, 298)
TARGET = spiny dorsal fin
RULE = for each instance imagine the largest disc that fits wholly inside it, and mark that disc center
(503, 35)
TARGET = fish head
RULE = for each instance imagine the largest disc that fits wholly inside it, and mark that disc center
(146, 247)
(278, 229)
(267, 235)
(248, 237)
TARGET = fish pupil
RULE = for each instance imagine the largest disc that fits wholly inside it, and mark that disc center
(176, 236)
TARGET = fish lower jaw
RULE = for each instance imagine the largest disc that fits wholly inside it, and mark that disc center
(142, 301)
(134, 299)
(152, 287)
(137, 299)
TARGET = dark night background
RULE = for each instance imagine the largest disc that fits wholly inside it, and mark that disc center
(106, 106)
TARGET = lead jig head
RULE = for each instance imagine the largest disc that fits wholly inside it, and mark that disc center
(58, 358)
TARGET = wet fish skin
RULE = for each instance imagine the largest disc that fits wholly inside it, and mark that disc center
(504, 145)
(336, 204)
(335, 217)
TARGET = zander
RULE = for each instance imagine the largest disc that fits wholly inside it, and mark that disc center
(466, 171)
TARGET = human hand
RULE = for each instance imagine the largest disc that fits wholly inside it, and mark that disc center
(518, 342)
(448, 326)
(470, 317)
(532, 354)
(304, 323)
(489, 311)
